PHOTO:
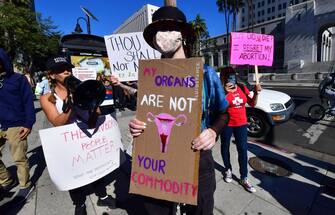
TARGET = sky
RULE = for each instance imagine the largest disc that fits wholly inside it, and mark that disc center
(112, 13)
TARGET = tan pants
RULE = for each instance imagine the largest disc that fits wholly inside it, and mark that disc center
(18, 150)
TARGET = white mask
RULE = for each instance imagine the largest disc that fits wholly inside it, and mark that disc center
(167, 42)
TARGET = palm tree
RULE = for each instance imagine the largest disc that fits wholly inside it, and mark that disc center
(250, 15)
(225, 6)
(229, 7)
(235, 7)
(200, 29)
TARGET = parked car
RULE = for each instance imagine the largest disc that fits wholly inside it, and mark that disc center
(273, 107)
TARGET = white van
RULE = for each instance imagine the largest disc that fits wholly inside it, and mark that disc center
(272, 107)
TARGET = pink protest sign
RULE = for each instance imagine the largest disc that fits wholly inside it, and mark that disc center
(251, 49)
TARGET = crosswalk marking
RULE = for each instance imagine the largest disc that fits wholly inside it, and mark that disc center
(314, 132)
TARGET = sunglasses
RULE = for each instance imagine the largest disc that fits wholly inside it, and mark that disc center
(61, 69)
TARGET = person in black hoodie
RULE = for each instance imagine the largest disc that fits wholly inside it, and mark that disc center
(17, 116)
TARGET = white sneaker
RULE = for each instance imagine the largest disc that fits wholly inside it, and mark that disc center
(246, 184)
(228, 176)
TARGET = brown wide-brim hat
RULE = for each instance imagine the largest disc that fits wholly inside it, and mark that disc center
(169, 18)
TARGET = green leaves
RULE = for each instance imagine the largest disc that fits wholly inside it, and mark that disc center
(200, 28)
(24, 34)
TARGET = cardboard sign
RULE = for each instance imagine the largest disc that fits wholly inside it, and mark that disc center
(251, 49)
(84, 74)
(124, 52)
(169, 100)
(76, 156)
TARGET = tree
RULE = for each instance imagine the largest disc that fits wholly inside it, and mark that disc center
(201, 32)
(19, 2)
(224, 6)
(229, 7)
(25, 35)
(250, 15)
(235, 8)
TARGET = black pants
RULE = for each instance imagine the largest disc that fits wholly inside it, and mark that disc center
(78, 195)
(206, 188)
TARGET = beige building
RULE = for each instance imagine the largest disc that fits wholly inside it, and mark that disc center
(138, 21)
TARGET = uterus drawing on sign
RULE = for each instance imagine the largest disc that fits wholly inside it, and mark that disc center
(164, 123)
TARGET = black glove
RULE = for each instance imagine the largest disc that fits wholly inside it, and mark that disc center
(67, 104)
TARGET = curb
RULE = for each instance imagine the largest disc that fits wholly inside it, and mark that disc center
(288, 84)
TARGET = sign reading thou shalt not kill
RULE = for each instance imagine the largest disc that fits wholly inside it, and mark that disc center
(169, 101)
(124, 51)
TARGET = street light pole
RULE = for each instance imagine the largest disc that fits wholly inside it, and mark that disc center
(88, 25)
(87, 20)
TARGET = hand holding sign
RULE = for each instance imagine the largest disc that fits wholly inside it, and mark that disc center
(136, 127)
(205, 141)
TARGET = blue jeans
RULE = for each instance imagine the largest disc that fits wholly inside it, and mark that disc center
(240, 134)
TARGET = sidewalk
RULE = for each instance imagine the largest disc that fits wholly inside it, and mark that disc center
(310, 189)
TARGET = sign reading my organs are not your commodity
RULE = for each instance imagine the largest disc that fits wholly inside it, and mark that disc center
(169, 101)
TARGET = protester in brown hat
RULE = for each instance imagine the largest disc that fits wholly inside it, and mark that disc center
(58, 108)
(170, 34)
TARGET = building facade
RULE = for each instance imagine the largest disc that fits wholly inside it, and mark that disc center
(309, 33)
(138, 21)
(303, 32)
(263, 10)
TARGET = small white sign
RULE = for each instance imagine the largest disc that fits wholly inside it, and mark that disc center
(85, 73)
(124, 51)
(76, 156)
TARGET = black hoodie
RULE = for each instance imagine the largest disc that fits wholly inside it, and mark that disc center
(16, 98)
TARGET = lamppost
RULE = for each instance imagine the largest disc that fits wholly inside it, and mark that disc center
(88, 25)
(87, 20)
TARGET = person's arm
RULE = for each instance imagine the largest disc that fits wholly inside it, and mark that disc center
(28, 102)
(55, 118)
(131, 90)
(252, 100)
(207, 139)
(29, 109)
(115, 82)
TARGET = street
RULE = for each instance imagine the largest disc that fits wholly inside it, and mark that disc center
(307, 190)
(300, 133)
